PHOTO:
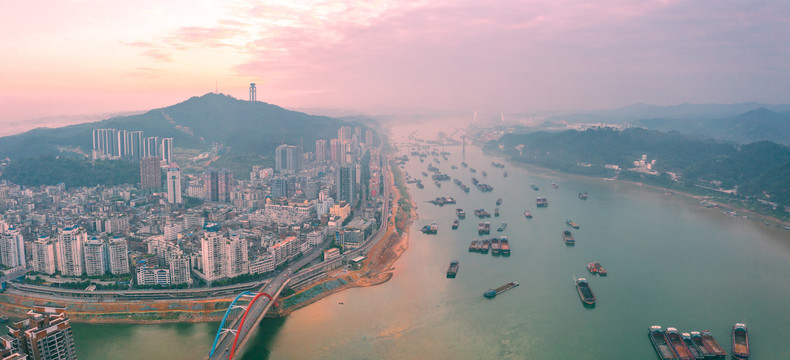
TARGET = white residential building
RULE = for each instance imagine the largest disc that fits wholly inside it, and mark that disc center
(152, 276)
(224, 257)
(12, 248)
(69, 251)
(179, 269)
(95, 257)
(118, 255)
(174, 185)
(44, 259)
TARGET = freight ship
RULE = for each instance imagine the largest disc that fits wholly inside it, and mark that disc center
(677, 344)
(572, 224)
(465, 188)
(696, 338)
(483, 228)
(740, 342)
(504, 246)
(555, 186)
(712, 345)
(585, 293)
(491, 293)
(596, 268)
(495, 246)
(484, 248)
(583, 196)
(460, 213)
(541, 202)
(473, 246)
(568, 237)
(420, 185)
(496, 212)
(453, 269)
(528, 215)
(430, 229)
(455, 224)
(504, 174)
(659, 339)
(695, 350)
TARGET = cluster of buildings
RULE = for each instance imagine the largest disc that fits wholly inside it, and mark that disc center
(43, 335)
(113, 144)
(145, 235)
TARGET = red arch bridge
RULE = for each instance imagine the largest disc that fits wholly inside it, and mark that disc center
(239, 311)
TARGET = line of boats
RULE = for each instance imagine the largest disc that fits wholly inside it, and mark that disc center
(673, 345)
(498, 246)
(492, 293)
(442, 201)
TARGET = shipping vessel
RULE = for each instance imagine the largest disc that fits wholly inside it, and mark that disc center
(464, 188)
(498, 201)
(453, 269)
(571, 224)
(504, 246)
(534, 187)
(504, 174)
(460, 213)
(712, 345)
(541, 202)
(585, 293)
(455, 224)
(695, 350)
(682, 352)
(483, 228)
(528, 215)
(420, 185)
(555, 186)
(481, 213)
(659, 339)
(491, 293)
(568, 237)
(596, 268)
(486, 244)
(583, 196)
(473, 246)
(496, 212)
(740, 342)
(484, 173)
(495, 246)
(696, 338)
(430, 229)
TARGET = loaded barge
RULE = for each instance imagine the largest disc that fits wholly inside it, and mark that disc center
(696, 339)
(678, 345)
(572, 224)
(568, 237)
(453, 269)
(660, 342)
(504, 246)
(583, 288)
(711, 344)
(490, 293)
(740, 342)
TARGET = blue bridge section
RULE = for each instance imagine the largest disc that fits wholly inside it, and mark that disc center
(222, 324)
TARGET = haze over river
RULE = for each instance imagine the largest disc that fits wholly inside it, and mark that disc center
(671, 262)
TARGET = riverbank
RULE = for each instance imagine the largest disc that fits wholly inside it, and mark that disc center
(725, 206)
(376, 269)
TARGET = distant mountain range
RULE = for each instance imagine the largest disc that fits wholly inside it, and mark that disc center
(246, 127)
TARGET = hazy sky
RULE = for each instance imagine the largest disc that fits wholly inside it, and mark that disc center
(86, 56)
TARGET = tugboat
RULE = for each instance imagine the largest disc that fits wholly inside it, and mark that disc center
(660, 342)
(568, 237)
(455, 224)
(583, 288)
(583, 195)
(502, 227)
(491, 293)
(527, 214)
(453, 269)
(498, 201)
(740, 342)
(571, 224)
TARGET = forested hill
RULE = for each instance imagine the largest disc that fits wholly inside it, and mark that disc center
(759, 169)
(246, 127)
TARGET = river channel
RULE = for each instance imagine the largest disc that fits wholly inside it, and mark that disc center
(670, 262)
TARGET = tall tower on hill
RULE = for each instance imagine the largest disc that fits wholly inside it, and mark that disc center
(253, 92)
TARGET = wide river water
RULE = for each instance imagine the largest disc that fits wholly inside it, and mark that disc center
(671, 262)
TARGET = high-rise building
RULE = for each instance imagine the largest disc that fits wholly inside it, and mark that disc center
(279, 187)
(12, 248)
(105, 143)
(137, 145)
(211, 255)
(44, 259)
(321, 150)
(151, 146)
(253, 92)
(346, 183)
(369, 137)
(224, 257)
(284, 250)
(179, 269)
(336, 151)
(118, 255)
(166, 151)
(69, 251)
(44, 335)
(95, 257)
(152, 275)
(217, 185)
(288, 158)
(173, 185)
(236, 256)
(344, 133)
(150, 173)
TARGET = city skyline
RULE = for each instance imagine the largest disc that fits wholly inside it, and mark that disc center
(92, 57)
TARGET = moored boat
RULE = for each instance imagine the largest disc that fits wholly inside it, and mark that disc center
(541, 202)
(504, 246)
(460, 213)
(659, 339)
(583, 195)
(495, 246)
(486, 245)
(473, 246)
(695, 350)
(712, 345)
(498, 201)
(504, 174)
(678, 345)
(453, 269)
(740, 342)
(430, 229)
(568, 237)
(527, 214)
(571, 224)
(496, 212)
(455, 224)
(502, 227)
(585, 293)
(696, 338)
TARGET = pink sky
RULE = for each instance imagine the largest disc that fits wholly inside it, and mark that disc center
(85, 56)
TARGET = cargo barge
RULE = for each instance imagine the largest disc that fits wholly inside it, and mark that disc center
(528, 215)
(568, 237)
(453, 269)
(572, 224)
(585, 293)
(583, 196)
(481, 213)
(484, 247)
(483, 228)
(659, 339)
(676, 342)
(455, 224)
(695, 350)
(491, 293)
(712, 345)
(596, 268)
(696, 339)
(504, 246)
(473, 246)
(541, 202)
(740, 342)
(430, 229)
(495, 246)
(460, 213)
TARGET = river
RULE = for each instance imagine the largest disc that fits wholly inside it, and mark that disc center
(671, 262)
